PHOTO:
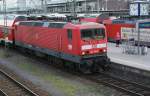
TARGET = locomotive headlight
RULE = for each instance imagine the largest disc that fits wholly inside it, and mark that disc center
(104, 50)
(83, 53)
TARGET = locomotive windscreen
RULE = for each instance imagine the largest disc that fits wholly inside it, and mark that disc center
(93, 34)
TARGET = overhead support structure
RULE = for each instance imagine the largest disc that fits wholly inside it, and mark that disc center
(138, 30)
(44, 6)
(5, 29)
(74, 8)
(5, 15)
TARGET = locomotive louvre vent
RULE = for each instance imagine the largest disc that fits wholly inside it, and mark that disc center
(36, 24)
(56, 25)
(26, 23)
(43, 24)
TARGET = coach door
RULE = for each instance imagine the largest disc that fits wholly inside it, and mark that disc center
(70, 45)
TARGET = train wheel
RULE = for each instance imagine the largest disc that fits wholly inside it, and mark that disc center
(106, 65)
(50, 59)
(69, 66)
(85, 68)
(96, 68)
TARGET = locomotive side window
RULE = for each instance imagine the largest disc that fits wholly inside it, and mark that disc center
(38, 24)
(26, 23)
(52, 25)
(93, 34)
(69, 34)
(56, 25)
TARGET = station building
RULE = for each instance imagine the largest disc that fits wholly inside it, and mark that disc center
(88, 5)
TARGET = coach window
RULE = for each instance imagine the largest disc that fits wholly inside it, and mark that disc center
(69, 34)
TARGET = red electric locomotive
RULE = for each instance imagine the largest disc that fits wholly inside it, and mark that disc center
(83, 44)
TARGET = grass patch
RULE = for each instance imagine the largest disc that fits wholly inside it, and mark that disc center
(4, 53)
(58, 81)
(30, 68)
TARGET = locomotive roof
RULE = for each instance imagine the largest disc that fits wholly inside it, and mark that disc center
(43, 24)
(43, 21)
(80, 23)
(90, 23)
(85, 25)
(53, 24)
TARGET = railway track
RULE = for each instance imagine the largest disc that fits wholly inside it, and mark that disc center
(3, 93)
(11, 87)
(130, 88)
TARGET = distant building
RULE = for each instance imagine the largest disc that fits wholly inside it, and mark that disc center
(87, 5)
(21, 5)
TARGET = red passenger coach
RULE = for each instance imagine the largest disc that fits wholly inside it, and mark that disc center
(11, 20)
(90, 19)
(1, 35)
(97, 18)
(113, 27)
(83, 44)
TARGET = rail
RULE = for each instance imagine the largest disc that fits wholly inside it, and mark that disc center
(130, 88)
(11, 82)
(3, 93)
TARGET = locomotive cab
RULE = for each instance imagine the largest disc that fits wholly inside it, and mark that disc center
(93, 41)
(89, 40)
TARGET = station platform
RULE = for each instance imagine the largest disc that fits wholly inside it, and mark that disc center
(141, 62)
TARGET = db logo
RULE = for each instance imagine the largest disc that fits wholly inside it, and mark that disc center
(94, 46)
